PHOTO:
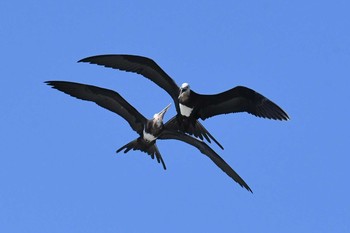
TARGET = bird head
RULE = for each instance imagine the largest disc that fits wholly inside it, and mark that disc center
(158, 117)
(185, 89)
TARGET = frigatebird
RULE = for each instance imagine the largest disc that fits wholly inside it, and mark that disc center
(149, 130)
(191, 106)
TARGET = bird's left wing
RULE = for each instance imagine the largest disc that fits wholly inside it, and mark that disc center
(105, 98)
(206, 150)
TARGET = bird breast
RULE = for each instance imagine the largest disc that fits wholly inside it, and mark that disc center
(148, 137)
(185, 111)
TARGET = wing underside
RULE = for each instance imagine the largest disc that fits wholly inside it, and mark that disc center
(239, 99)
(105, 98)
(140, 65)
(206, 150)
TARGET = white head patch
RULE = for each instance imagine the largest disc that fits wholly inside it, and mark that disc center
(158, 119)
(185, 85)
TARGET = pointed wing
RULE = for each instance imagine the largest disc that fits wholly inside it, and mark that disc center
(239, 99)
(140, 65)
(105, 98)
(205, 149)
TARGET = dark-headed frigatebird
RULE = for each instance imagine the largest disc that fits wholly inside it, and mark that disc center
(191, 106)
(149, 130)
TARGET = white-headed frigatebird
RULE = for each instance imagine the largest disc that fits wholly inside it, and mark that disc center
(191, 106)
(149, 130)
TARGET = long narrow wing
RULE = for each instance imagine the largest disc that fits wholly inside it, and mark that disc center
(105, 98)
(205, 149)
(140, 65)
(239, 99)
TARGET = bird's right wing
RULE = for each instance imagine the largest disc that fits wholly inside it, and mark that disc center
(140, 65)
(105, 98)
(205, 149)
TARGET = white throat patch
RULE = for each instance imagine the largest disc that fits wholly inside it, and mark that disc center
(185, 111)
(148, 137)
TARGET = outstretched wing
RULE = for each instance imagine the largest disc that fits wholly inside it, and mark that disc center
(239, 99)
(108, 99)
(140, 65)
(205, 149)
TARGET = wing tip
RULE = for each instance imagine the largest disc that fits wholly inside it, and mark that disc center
(86, 59)
(50, 83)
(81, 60)
(55, 84)
(247, 188)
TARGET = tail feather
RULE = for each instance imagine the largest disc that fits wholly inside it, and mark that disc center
(194, 128)
(199, 128)
(149, 148)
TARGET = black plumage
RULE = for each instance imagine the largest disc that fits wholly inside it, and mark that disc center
(237, 99)
(146, 128)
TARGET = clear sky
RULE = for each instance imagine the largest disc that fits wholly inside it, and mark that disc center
(58, 168)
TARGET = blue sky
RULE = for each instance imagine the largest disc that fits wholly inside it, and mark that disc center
(58, 167)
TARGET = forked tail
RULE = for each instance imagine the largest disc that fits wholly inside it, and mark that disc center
(149, 148)
(194, 128)
(203, 132)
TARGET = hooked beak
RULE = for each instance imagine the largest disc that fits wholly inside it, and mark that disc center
(162, 113)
